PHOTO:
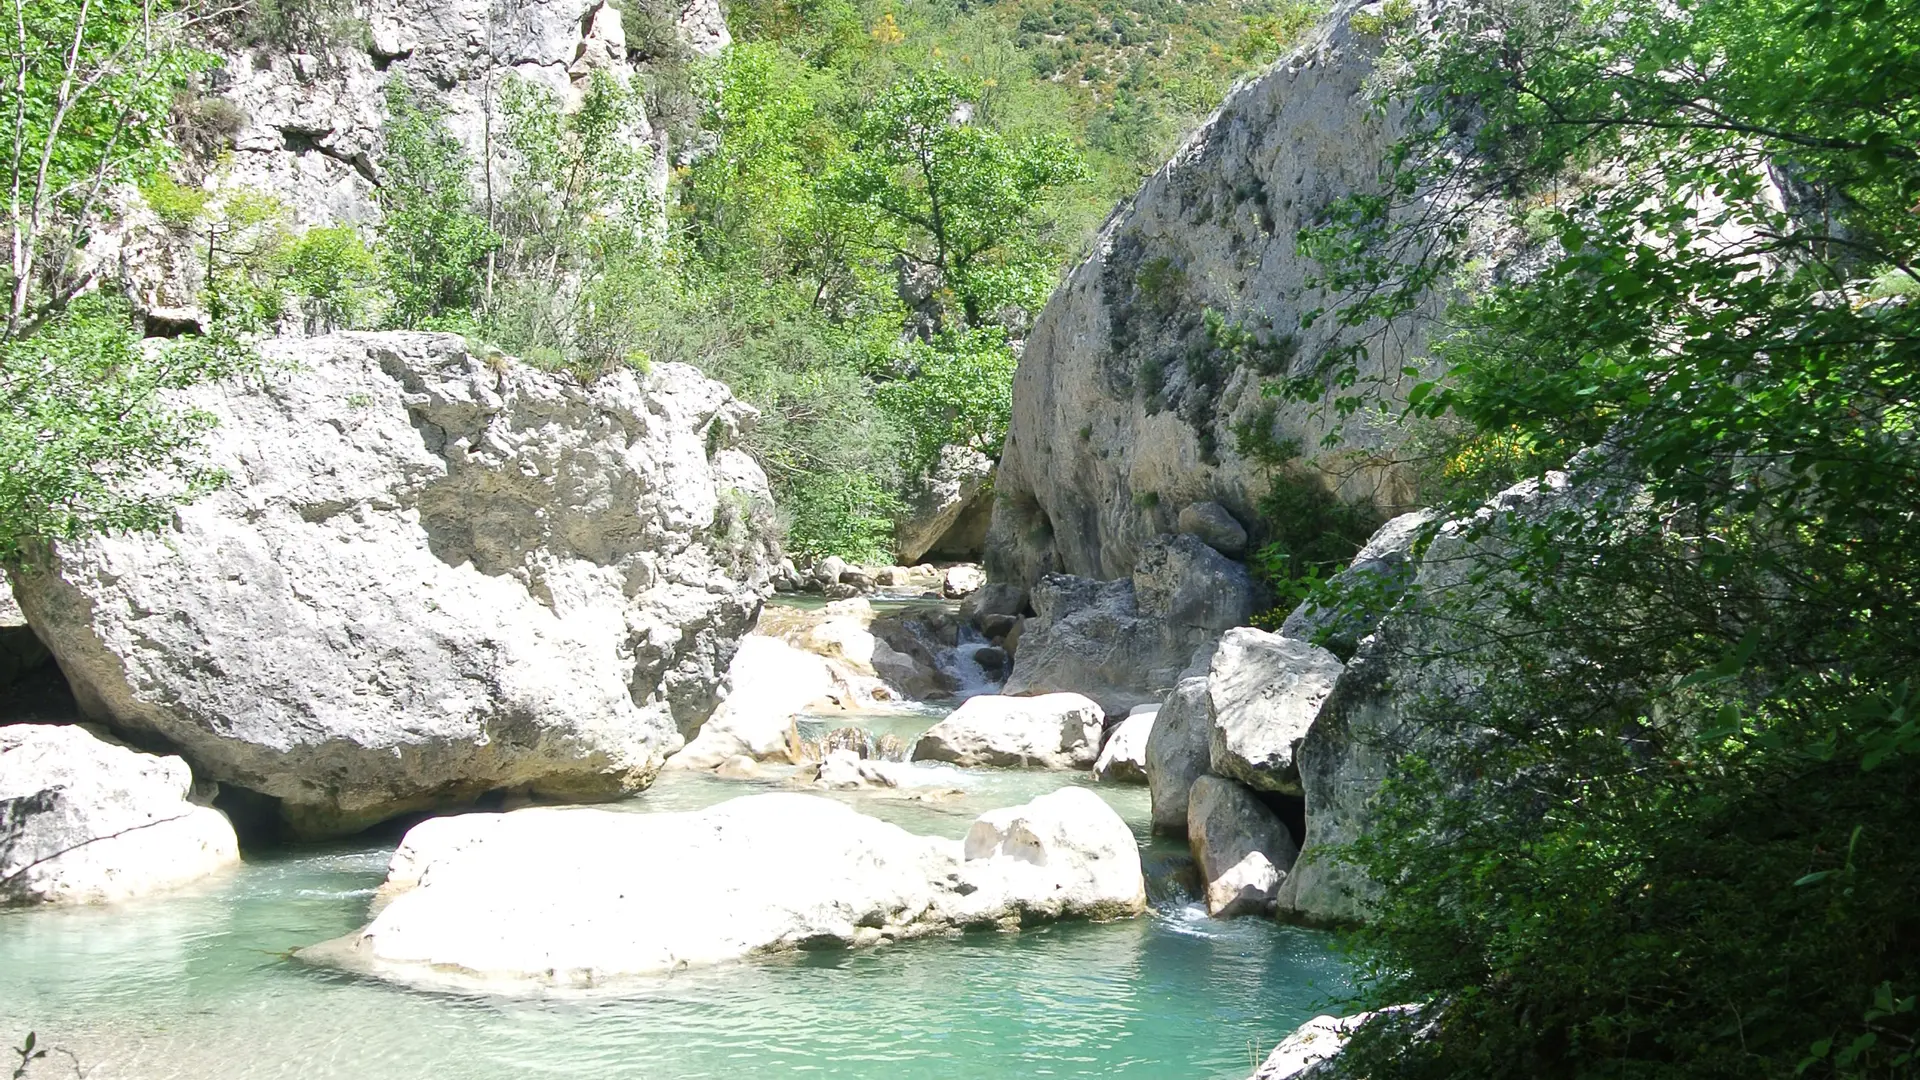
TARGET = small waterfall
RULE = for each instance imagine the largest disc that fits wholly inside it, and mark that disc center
(962, 663)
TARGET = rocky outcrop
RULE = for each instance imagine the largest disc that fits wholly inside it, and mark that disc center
(1125, 642)
(1312, 1052)
(1243, 849)
(1141, 382)
(1178, 753)
(1264, 692)
(1052, 731)
(947, 514)
(584, 899)
(1123, 760)
(1421, 653)
(87, 820)
(432, 575)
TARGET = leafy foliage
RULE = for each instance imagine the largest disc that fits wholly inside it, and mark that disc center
(87, 441)
(433, 242)
(958, 391)
(1666, 834)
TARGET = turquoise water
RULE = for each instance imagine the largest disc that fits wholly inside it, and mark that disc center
(196, 984)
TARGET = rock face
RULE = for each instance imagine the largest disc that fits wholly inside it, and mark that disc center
(1370, 720)
(1125, 642)
(1052, 731)
(431, 576)
(1123, 760)
(1243, 848)
(85, 820)
(1264, 692)
(947, 515)
(1126, 400)
(583, 898)
(1178, 753)
(1375, 580)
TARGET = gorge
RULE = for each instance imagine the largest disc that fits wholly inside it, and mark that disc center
(1367, 541)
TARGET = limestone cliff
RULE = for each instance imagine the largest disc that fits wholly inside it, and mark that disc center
(1127, 400)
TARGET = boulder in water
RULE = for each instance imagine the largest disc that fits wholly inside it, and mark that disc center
(1052, 731)
(1243, 848)
(1123, 760)
(432, 576)
(1178, 753)
(580, 898)
(87, 820)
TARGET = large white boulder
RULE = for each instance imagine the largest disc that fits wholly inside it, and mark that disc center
(1243, 849)
(432, 575)
(1264, 692)
(1312, 1052)
(960, 482)
(1178, 753)
(1370, 585)
(1052, 731)
(771, 682)
(581, 898)
(1123, 760)
(87, 820)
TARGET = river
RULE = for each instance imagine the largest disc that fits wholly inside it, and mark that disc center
(197, 984)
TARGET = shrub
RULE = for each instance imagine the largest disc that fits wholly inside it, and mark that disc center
(333, 275)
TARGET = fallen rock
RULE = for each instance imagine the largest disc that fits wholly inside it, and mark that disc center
(1215, 526)
(846, 770)
(1421, 653)
(431, 576)
(1178, 753)
(86, 820)
(1264, 692)
(580, 898)
(1125, 642)
(1052, 731)
(962, 581)
(1243, 848)
(1123, 760)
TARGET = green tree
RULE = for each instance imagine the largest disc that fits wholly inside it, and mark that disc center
(1668, 834)
(433, 241)
(957, 390)
(89, 86)
(958, 198)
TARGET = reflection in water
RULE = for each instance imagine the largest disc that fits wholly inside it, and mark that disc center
(196, 984)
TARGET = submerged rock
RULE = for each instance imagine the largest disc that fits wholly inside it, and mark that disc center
(577, 898)
(1052, 731)
(431, 576)
(1264, 692)
(1123, 760)
(86, 820)
(1178, 753)
(1243, 848)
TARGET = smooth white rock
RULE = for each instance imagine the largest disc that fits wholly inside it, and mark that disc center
(579, 898)
(432, 575)
(1053, 731)
(1123, 760)
(1178, 753)
(86, 820)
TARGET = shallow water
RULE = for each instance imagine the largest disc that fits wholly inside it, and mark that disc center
(196, 984)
